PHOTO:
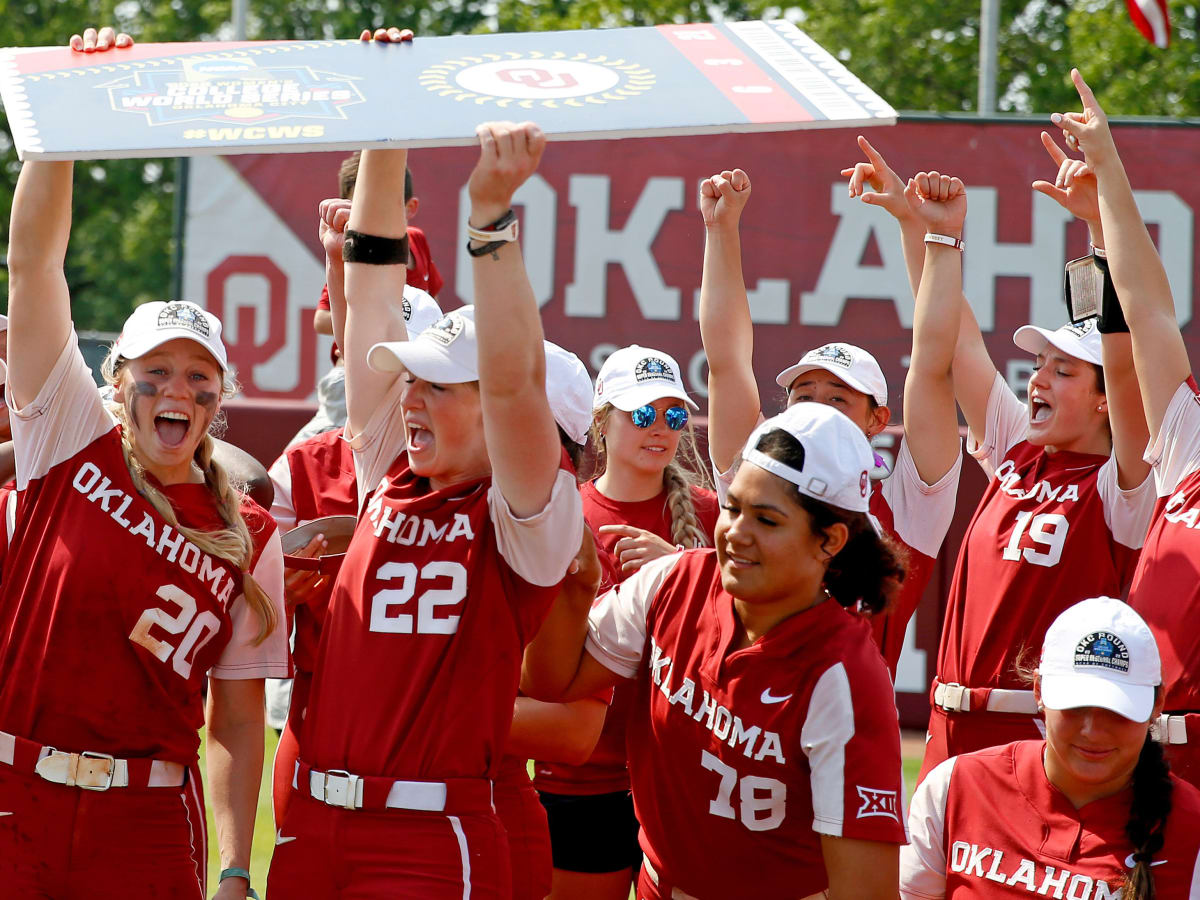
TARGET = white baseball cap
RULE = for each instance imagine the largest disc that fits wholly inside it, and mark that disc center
(1080, 341)
(444, 353)
(837, 457)
(851, 364)
(420, 309)
(569, 390)
(153, 324)
(634, 376)
(1100, 652)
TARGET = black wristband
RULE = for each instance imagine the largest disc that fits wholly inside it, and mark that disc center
(1111, 318)
(374, 250)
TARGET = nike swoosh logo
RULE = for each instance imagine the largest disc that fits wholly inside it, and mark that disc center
(280, 839)
(768, 697)
(1129, 863)
(5, 814)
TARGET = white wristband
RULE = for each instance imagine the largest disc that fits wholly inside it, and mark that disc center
(945, 240)
(1099, 252)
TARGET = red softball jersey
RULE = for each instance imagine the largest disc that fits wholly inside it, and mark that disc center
(313, 479)
(605, 772)
(1166, 585)
(990, 824)
(110, 618)
(756, 751)
(917, 516)
(439, 592)
(1052, 529)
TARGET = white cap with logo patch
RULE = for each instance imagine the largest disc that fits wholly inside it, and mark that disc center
(569, 390)
(153, 324)
(444, 353)
(836, 455)
(1080, 341)
(634, 376)
(851, 364)
(1100, 652)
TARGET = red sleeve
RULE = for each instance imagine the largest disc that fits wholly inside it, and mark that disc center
(323, 303)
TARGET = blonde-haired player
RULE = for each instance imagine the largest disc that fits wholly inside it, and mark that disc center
(134, 569)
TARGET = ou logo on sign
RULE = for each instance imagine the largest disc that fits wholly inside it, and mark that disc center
(538, 78)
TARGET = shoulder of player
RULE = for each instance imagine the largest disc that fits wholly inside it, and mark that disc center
(258, 520)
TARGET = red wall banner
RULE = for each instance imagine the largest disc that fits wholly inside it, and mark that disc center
(613, 243)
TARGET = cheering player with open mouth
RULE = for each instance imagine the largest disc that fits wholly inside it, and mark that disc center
(470, 522)
(134, 569)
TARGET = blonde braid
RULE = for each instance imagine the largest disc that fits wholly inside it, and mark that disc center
(685, 524)
(236, 537)
(234, 543)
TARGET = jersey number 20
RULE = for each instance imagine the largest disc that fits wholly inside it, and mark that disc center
(384, 603)
(203, 628)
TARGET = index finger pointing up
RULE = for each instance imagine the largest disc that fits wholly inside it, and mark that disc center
(1085, 92)
(1056, 152)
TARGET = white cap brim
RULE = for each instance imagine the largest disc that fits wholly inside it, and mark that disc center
(424, 359)
(138, 347)
(1034, 340)
(639, 396)
(785, 378)
(1072, 691)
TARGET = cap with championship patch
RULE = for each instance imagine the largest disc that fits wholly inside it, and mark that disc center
(569, 390)
(634, 376)
(836, 455)
(1100, 652)
(443, 353)
(1080, 341)
(853, 365)
(153, 324)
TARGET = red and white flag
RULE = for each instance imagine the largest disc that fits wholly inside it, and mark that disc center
(1150, 17)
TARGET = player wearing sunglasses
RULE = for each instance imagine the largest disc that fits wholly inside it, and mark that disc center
(643, 505)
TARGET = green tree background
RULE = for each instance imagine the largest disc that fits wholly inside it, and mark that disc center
(920, 54)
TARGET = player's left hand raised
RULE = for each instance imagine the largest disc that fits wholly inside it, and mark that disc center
(509, 152)
(93, 41)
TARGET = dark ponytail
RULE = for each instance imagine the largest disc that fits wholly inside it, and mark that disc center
(867, 573)
(1148, 815)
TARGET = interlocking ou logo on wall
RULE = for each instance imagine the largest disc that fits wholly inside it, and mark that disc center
(538, 78)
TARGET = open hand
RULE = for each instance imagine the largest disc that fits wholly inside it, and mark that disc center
(723, 197)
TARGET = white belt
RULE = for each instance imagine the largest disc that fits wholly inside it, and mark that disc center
(957, 698)
(1169, 730)
(93, 771)
(676, 893)
(340, 788)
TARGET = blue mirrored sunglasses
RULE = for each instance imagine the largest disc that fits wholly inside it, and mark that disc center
(676, 417)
